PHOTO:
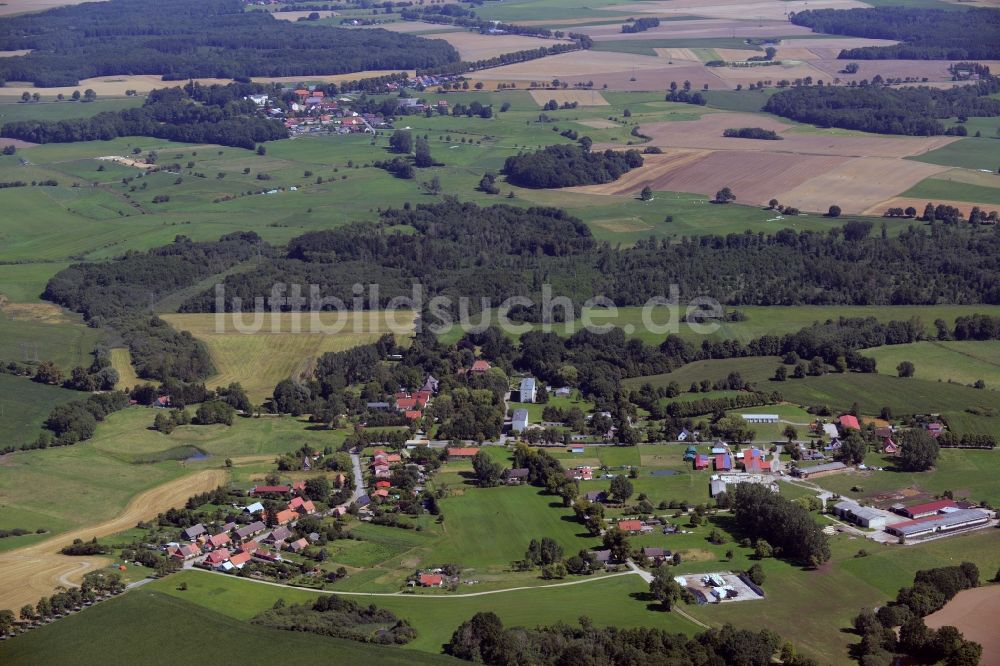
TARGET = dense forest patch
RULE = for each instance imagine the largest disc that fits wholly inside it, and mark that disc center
(567, 165)
(915, 111)
(341, 618)
(197, 39)
(927, 34)
(118, 293)
(194, 114)
(752, 133)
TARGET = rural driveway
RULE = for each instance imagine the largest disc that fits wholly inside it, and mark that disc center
(359, 481)
(29, 573)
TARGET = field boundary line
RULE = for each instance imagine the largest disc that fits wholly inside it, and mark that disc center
(422, 596)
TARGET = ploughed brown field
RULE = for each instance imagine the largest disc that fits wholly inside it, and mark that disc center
(808, 170)
(976, 613)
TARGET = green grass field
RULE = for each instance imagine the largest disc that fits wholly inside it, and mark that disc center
(519, 513)
(24, 405)
(24, 283)
(936, 189)
(970, 153)
(177, 622)
(963, 362)
(51, 110)
(654, 326)
(840, 392)
(436, 617)
(967, 473)
(45, 335)
(126, 457)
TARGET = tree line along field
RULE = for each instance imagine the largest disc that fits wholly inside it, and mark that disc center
(129, 618)
(759, 320)
(258, 361)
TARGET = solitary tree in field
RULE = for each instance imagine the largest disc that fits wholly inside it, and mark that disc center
(89, 95)
(772, 204)
(664, 588)
(646, 194)
(724, 196)
(790, 433)
(621, 488)
(906, 369)
(834, 211)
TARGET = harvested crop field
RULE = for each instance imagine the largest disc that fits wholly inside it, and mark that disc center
(934, 70)
(678, 54)
(23, 6)
(581, 97)
(706, 133)
(295, 16)
(577, 63)
(115, 86)
(974, 612)
(121, 361)
(599, 124)
(737, 54)
(412, 27)
(856, 185)
(754, 177)
(474, 46)
(744, 75)
(706, 28)
(777, 10)
(37, 570)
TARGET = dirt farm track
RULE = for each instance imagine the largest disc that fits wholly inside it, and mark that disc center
(976, 613)
(29, 573)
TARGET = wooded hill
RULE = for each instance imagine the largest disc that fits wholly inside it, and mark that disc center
(192, 114)
(197, 38)
(463, 250)
(927, 34)
(916, 111)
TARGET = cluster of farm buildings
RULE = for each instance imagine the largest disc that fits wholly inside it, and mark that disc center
(233, 545)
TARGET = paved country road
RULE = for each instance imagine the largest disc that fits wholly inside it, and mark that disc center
(35, 571)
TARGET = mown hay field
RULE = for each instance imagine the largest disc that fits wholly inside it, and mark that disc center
(259, 360)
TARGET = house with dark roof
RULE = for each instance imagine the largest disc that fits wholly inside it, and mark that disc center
(655, 555)
(516, 476)
(270, 490)
(596, 496)
(278, 534)
(250, 530)
(193, 532)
